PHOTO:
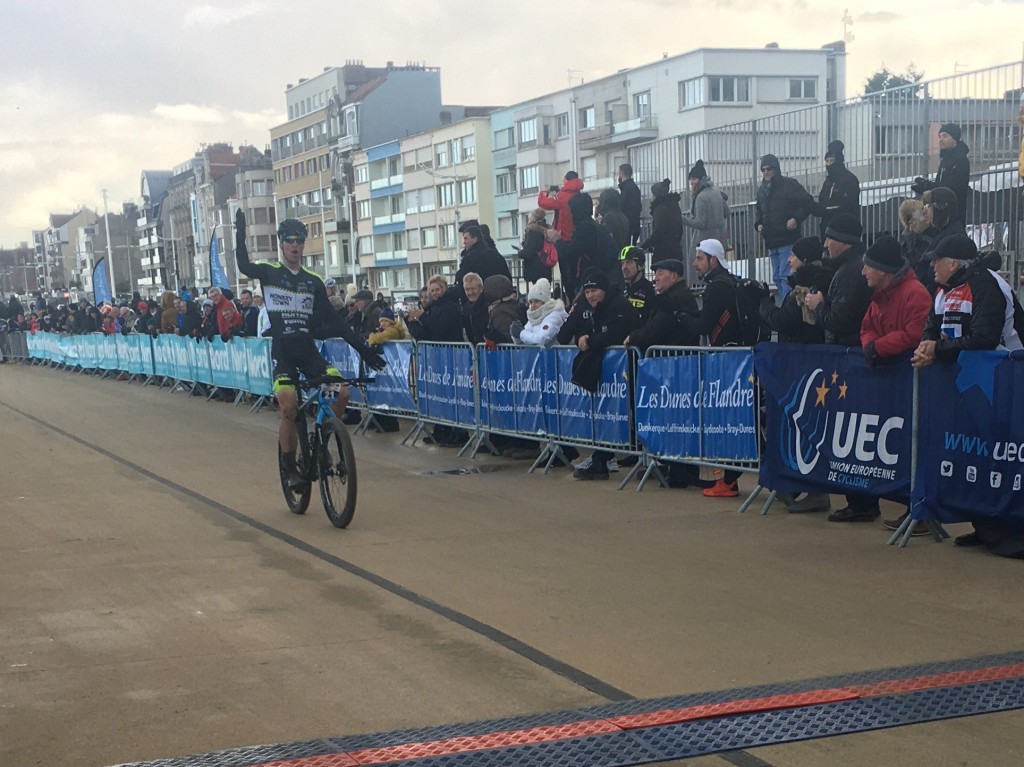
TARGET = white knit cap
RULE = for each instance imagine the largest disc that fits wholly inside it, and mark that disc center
(541, 291)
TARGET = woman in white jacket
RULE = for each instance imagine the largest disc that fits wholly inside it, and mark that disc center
(544, 317)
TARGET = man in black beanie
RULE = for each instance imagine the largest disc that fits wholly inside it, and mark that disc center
(709, 209)
(954, 169)
(840, 193)
(840, 308)
(782, 206)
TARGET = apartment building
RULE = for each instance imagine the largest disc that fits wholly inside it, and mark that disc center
(329, 117)
(158, 271)
(411, 195)
(592, 127)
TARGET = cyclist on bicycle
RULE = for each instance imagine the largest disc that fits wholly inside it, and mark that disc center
(299, 310)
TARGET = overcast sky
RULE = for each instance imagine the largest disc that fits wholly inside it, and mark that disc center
(91, 93)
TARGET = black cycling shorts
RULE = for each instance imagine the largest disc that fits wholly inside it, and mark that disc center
(294, 356)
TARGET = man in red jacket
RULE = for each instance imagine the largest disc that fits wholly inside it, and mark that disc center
(229, 319)
(892, 325)
(558, 201)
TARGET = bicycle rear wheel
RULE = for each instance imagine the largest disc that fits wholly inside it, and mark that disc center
(337, 473)
(297, 499)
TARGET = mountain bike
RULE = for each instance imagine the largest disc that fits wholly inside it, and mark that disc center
(324, 453)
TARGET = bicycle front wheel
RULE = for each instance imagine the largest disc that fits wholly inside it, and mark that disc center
(337, 473)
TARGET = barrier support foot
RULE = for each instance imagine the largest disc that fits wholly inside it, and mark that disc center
(651, 468)
(414, 433)
(750, 499)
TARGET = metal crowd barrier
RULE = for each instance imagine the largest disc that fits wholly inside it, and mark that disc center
(447, 393)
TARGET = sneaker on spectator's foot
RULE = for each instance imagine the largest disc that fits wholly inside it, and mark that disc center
(810, 503)
(722, 489)
(612, 465)
(591, 472)
(846, 514)
(585, 463)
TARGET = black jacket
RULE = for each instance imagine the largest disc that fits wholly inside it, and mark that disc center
(530, 253)
(607, 324)
(250, 321)
(631, 207)
(783, 199)
(846, 300)
(484, 260)
(665, 327)
(640, 294)
(788, 320)
(955, 173)
(442, 320)
(717, 319)
(839, 194)
(666, 240)
(474, 320)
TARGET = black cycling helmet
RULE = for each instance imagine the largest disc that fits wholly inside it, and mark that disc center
(633, 253)
(292, 227)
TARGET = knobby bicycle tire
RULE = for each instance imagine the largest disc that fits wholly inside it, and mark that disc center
(297, 500)
(337, 473)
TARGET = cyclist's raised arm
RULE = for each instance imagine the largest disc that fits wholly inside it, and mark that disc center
(245, 266)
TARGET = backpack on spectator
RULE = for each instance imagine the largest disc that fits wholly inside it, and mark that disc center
(748, 312)
(548, 255)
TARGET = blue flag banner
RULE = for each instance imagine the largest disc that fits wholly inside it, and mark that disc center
(101, 283)
(259, 368)
(971, 455)
(573, 414)
(611, 402)
(497, 401)
(390, 387)
(832, 423)
(218, 277)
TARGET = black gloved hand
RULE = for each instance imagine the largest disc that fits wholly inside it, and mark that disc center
(239, 229)
(516, 331)
(869, 354)
(225, 337)
(373, 357)
(921, 185)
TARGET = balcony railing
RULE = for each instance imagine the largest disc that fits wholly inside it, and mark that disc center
(381, 183)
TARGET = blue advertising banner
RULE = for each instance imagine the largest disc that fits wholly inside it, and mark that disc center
(107, 346)
(338, 353)
(435, 382)
(258, 365)
(163, 355)
(183, 351)
(199, 353)
(832, 423)
(497, 401)
(728, 406)
(573, 414)
(390, 387)
(611, 401)
(228, 365)
(667, 412)
(971, 460)
(464, 386)
(528, 385)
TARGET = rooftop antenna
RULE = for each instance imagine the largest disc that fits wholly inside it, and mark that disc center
(848, 36)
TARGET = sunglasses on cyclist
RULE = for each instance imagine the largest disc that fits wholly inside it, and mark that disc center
(292, 239)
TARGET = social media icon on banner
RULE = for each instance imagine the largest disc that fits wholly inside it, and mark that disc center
(995, 479)
(946, 469)
(1016, 482)
(972, 474)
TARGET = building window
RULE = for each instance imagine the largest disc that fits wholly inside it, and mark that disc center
(259, 216)
(446, 196)
(409, 161)
(562, 125)
(398, 241)
(259, 188)
(588, 167)
(325, 162)
(527, 131)
(393, 167)
(314, 230)
(364, 209)
(504, 138)
(467, 191)
(803, 88)
(441, 155)
(529, 179)
(468, 148)
(428, 237)
(508, 226)
(505, 182)
(447, 232)
(642, 104)
(728, 89)
(587, 119)
(362, 174)
(456, 150)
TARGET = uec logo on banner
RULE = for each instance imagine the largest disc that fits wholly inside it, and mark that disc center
(806, 426)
